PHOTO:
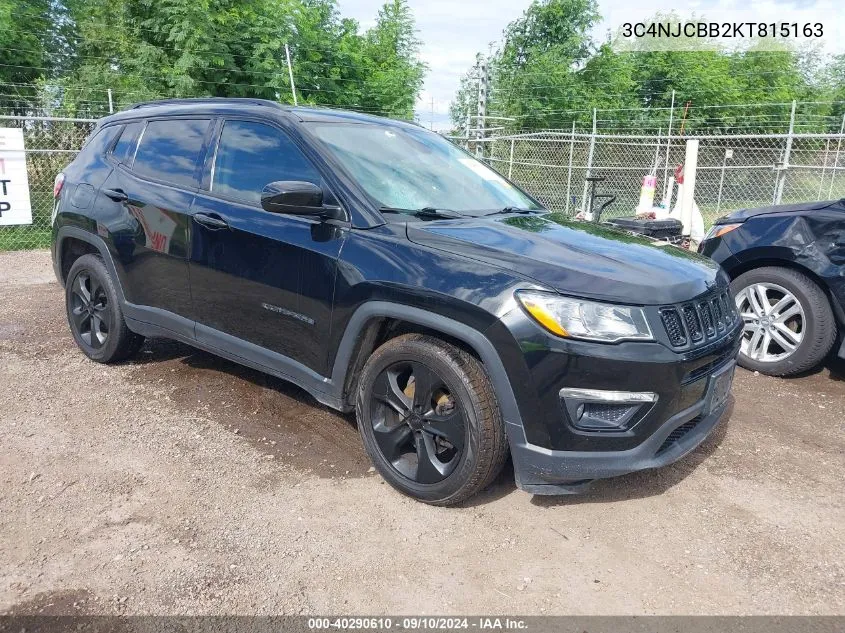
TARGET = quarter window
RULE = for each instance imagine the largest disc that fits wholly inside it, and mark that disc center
(124, 149)
(170, 150)
(251, 155)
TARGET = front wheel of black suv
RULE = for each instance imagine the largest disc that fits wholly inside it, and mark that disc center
(429, 419)
(94, 313)
(789, 325)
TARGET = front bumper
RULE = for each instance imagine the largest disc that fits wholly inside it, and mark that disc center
(543, 471)
(552, 451)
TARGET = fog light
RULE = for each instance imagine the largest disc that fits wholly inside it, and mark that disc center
(600, 410)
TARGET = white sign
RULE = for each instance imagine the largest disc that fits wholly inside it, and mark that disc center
(14, 187)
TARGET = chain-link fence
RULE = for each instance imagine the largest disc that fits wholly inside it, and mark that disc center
(51, 143)
(734, 171)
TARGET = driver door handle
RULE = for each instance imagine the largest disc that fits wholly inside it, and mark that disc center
(211, 221)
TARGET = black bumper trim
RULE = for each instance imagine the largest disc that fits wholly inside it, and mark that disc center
(541, 470)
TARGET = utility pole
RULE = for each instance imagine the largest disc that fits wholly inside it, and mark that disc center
(111, 103)
(290, 74)
(483, 80)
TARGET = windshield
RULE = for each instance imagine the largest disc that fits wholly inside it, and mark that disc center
(409, 168)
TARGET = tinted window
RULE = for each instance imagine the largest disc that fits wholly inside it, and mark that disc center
(251, 155)
(124, 149)
(170, 150)
(99, 139)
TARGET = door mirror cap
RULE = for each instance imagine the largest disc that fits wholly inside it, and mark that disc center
(296, 197)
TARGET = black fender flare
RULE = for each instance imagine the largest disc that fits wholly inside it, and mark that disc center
(65, 232)
(475, 339)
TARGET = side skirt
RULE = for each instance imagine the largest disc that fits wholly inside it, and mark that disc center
(153, 322)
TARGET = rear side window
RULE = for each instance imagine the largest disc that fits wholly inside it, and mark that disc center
(98, 140)
(251, 155)
(124, 150)
(170, 150)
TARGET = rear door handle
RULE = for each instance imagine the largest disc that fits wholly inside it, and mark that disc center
(211, 221)
(118, 195)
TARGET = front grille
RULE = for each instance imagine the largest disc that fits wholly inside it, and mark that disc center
(676, 435)
(701, 320)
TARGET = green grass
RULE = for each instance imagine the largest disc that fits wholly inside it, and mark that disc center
(21, 238)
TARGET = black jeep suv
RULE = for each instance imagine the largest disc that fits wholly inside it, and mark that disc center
(384, 270)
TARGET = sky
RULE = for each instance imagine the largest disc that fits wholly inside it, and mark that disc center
(453, 31)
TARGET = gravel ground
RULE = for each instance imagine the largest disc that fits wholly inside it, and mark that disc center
(183, 483)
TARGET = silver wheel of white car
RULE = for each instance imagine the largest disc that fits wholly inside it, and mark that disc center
(789, 325)
(774, 322)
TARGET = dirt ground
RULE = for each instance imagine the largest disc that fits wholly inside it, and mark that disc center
(183, 483)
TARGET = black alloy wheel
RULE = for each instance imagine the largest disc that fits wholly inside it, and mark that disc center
(418, 426)
(94, 312)
(89, 314)
(429, 419)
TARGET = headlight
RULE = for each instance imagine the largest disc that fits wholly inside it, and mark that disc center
(577, 318)
(718, 230)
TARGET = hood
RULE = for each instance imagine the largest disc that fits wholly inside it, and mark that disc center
(803, 207)
(576, 258)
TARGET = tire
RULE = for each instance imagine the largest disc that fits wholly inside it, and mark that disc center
(421, 397)
(813, 326)
(94, 314)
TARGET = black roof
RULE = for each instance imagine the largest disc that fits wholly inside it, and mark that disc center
(226, 105)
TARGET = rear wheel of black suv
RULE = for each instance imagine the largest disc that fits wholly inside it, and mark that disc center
(94, 313)
(429, 419)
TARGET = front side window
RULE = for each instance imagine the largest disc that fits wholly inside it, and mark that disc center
(170, 150)
(411, 168)
(251, 155)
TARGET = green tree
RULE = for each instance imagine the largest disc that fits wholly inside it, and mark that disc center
(548, 73)
(394, 73)
(26, 44)
(70, 52)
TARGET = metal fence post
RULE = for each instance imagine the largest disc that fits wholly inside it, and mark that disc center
(589, 163)
(569, 172)
(666, 192)
(728, 154)
(784, 166)
(469, 123)
(510, 163)
(824, 169)
(482, 106)
(836, 159)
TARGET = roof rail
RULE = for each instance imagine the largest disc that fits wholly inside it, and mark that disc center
(212, 100)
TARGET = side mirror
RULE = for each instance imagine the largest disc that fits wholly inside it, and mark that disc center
(297, 197)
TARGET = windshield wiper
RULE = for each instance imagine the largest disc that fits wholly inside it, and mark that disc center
(425, 212)
(505, 210)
